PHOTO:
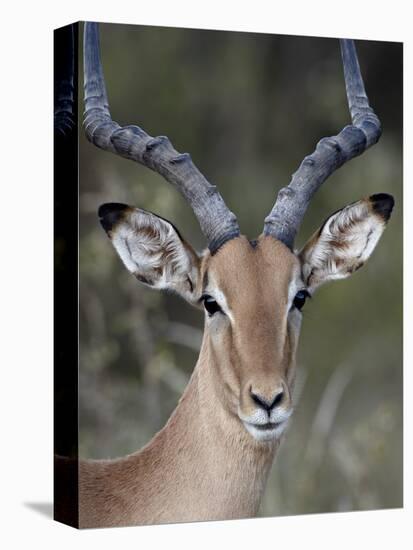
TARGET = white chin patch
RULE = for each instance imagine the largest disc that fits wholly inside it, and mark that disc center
(266, 432)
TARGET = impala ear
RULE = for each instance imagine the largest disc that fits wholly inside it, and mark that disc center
(345, 241)
(152, 249)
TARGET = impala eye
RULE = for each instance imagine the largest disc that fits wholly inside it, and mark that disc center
(210, 305)
(300, 299)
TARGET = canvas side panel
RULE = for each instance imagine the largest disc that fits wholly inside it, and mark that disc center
(66, 275)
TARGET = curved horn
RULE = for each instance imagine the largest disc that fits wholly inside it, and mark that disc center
(288, 212)
(217, 222)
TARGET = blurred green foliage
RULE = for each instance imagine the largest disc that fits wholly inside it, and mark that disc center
(248, 107)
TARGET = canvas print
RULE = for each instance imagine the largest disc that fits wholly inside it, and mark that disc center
(223, 193)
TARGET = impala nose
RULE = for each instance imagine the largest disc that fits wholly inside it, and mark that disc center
(265, 403)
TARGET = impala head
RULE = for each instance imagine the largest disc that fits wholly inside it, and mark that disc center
(252, 295)
(252, 292)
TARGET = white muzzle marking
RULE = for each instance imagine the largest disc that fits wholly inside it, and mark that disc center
(263, 427)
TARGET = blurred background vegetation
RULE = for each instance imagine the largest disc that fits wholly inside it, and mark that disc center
(248, 107)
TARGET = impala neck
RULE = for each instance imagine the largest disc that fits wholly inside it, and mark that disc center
(208, 454)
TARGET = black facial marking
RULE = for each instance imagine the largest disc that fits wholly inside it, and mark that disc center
(300, 299)
(111, 214)
(382, 204)
(211, 305)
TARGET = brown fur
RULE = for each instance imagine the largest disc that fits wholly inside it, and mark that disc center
(203, 464)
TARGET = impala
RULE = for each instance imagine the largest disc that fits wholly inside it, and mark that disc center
(213, 457)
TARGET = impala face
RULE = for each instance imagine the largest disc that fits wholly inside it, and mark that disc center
(252, 327)
(252, 294)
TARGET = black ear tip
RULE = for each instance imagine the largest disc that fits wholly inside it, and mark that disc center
(110, 214)
(382, 204)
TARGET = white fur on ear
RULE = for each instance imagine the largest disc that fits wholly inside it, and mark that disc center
(151, 248)
(345, 241)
